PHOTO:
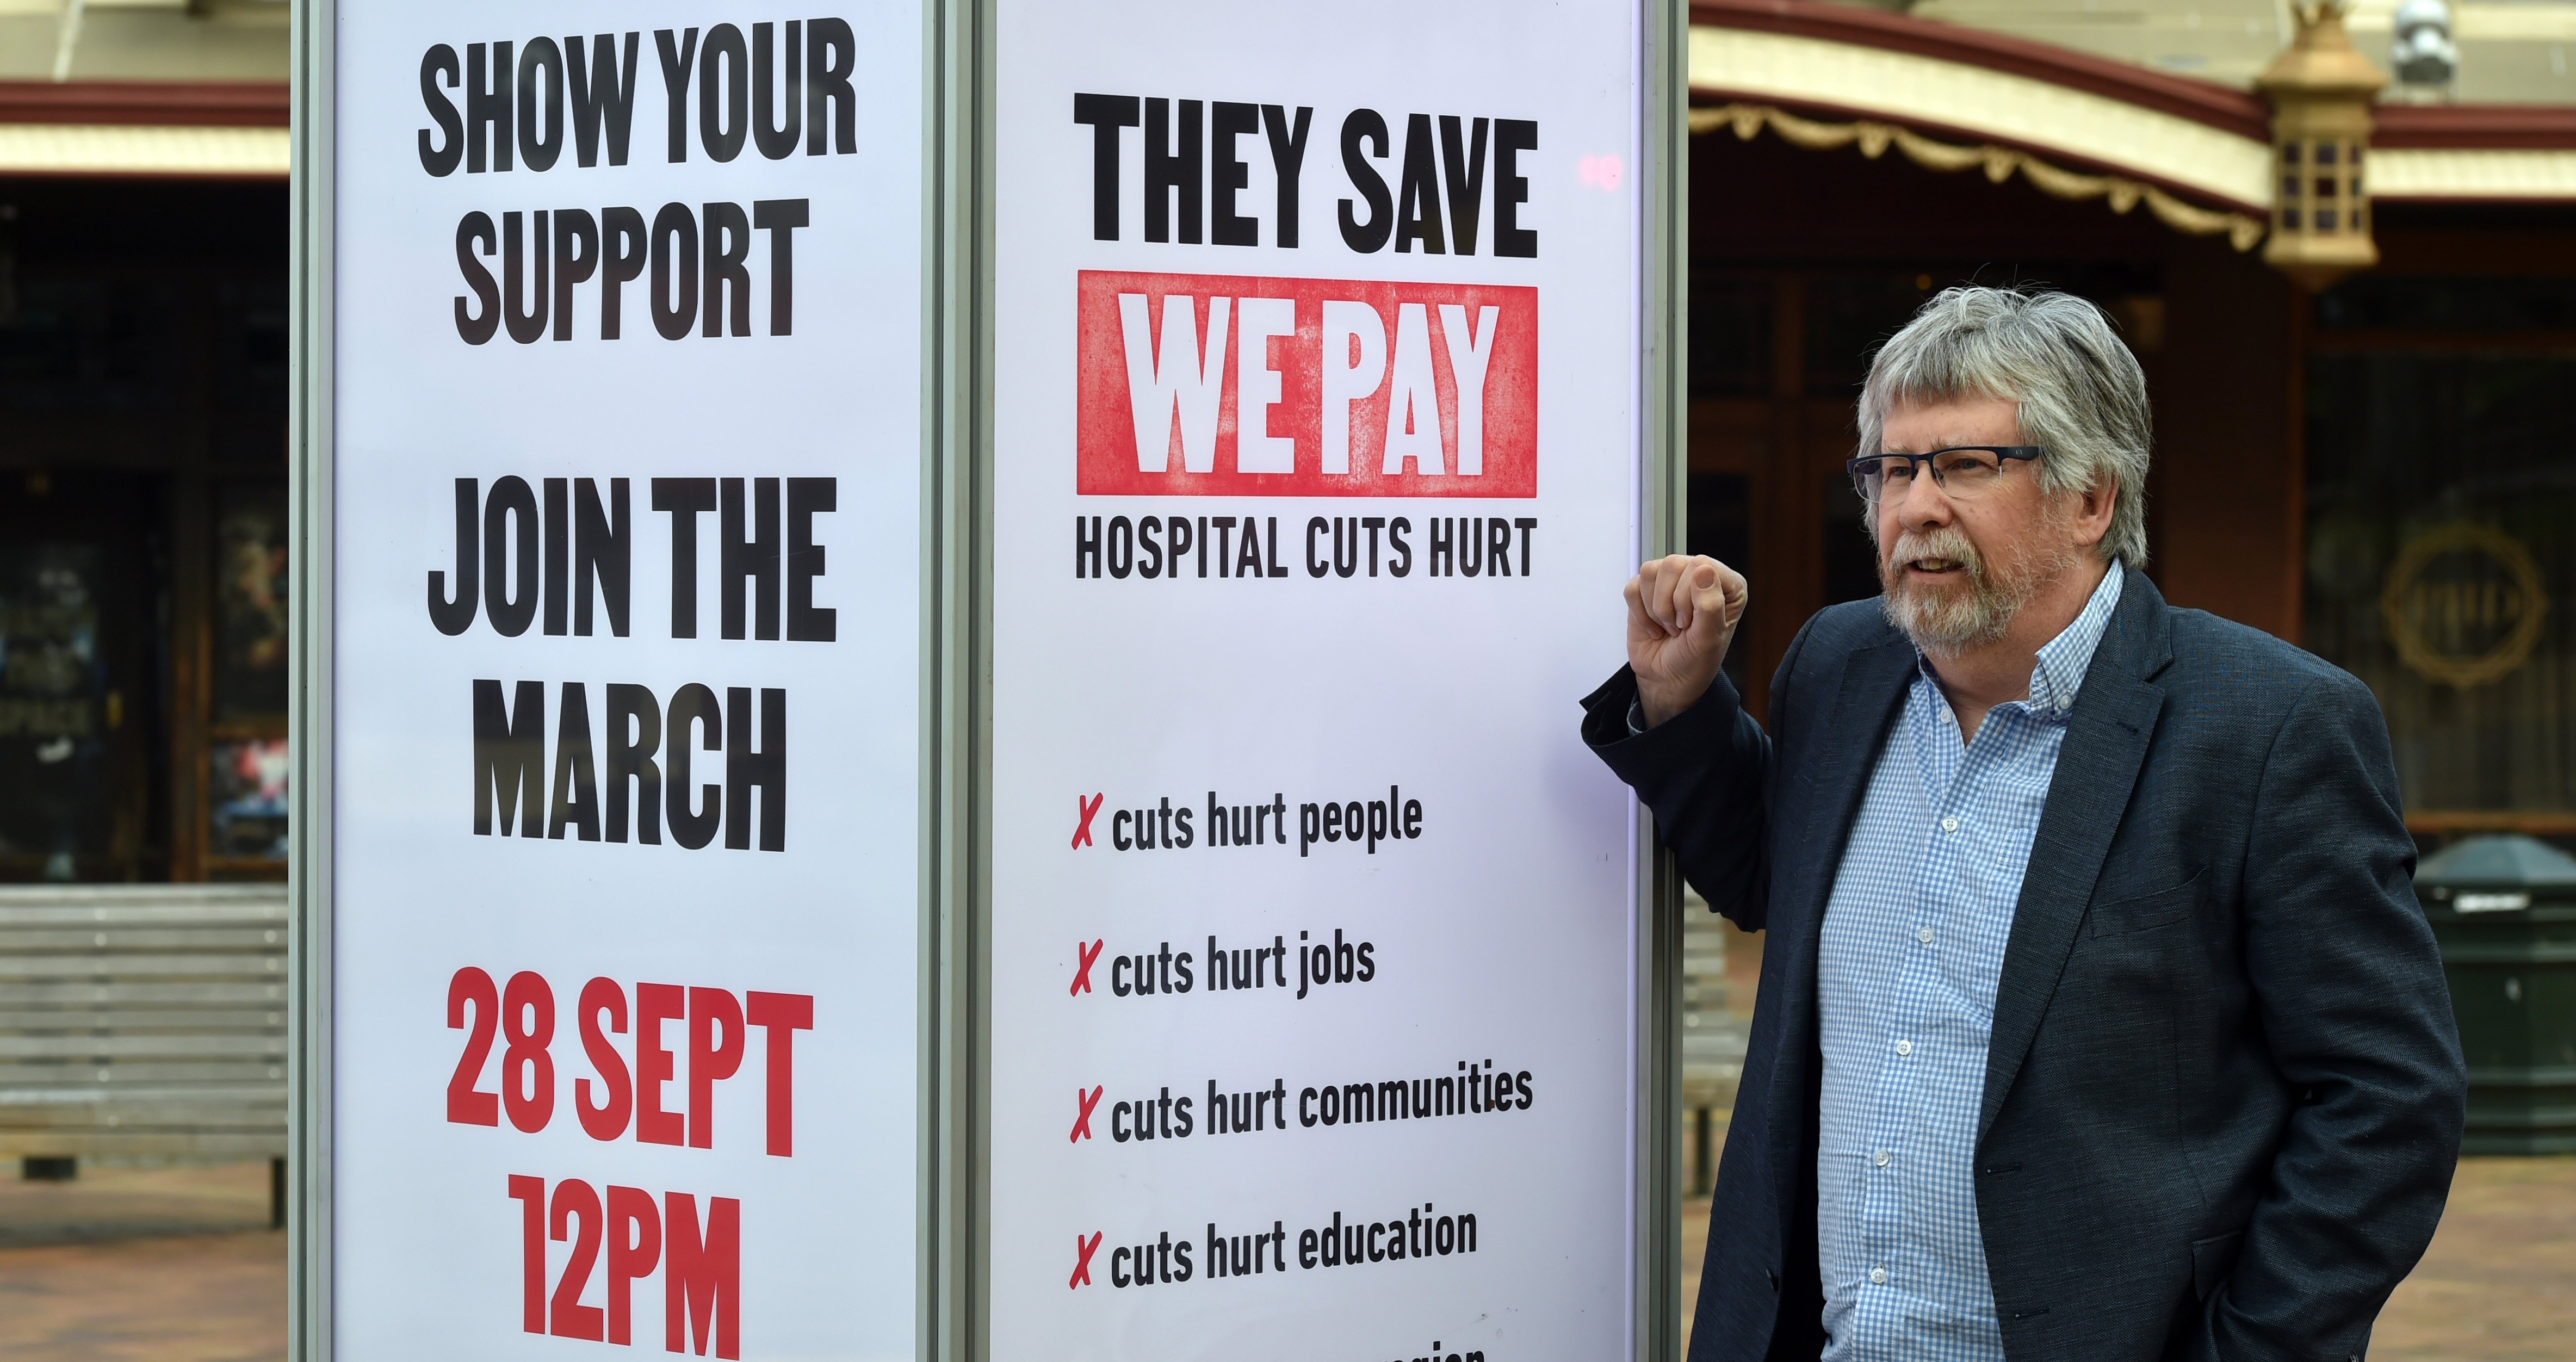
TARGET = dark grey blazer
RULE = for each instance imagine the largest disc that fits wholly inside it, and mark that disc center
(2224, 1093)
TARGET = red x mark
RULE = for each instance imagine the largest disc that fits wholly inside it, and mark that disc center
(1082, 1122)
(1090, 809)
(1083, 1249)
(1082, 972)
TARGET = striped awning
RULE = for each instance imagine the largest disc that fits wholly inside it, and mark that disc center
(145, 129)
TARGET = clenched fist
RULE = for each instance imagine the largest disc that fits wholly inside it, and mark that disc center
(1682, 613)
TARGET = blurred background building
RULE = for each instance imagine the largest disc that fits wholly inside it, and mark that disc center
(2348, 263)
(2345, 250)
(143, 240)
(2355, 298)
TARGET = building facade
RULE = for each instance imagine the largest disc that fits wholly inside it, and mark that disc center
(2374, 460)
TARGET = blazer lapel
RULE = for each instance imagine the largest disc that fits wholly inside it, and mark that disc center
(1824, 798)
(2106, 744)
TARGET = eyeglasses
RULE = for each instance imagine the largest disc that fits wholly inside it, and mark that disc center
(1963, 471)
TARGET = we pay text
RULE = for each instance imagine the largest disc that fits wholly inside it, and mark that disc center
(1208, 384)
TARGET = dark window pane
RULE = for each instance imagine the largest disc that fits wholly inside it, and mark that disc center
(2441, 557)
(1851, 559)
(1730, 337)
(246, 798)
(1721, 526)
(2376, 302)
(56, 791)
(250, 600)
(250, 354)
(1848, 318)
(75, 343)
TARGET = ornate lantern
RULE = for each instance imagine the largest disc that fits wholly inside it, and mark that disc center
(2321, 89)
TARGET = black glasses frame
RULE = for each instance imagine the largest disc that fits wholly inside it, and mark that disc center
(1860, 470)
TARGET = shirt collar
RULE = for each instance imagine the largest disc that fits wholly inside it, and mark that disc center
(2059, 671)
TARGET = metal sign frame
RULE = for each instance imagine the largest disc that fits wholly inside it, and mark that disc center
(957, 624)
(312, 548)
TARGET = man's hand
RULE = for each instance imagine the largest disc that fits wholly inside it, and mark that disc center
(1682, 614)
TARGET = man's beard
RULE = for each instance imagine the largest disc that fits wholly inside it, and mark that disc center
(1952, 618)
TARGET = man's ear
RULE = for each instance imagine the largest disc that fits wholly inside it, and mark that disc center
(2094, 507)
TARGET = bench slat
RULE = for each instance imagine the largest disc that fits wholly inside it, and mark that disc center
(137, 1073)
(15, 1097)
(155, 994)
(125, 1144)
(244, 1115)
(127, 1021)
(84, 939)
(76, 1048)
(94, 966)
(143, 1020)
(89, 895)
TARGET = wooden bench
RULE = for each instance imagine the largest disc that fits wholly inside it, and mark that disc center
(144, 1020)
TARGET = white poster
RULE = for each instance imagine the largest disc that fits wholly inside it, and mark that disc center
(1316, 423)
(626, 620)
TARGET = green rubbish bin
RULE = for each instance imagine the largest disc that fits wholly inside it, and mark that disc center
(2504, 911)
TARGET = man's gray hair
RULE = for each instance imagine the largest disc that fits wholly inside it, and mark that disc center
(2081, 393)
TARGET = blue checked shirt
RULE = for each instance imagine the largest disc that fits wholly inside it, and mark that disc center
(1913, 944)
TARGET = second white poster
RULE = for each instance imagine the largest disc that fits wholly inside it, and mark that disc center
(1316, 373)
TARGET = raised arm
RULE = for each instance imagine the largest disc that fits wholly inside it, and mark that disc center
(1673, 727)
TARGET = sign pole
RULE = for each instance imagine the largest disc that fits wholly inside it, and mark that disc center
(1664, 497)
(957, 733)
(309, 721)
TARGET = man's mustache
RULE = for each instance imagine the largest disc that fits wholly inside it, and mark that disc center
(1946, 544)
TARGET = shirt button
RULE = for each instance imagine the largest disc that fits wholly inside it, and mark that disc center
(1924, 936)
(1949, 825)
(1883, 1157)
(1904, 1048)
(1878, 1276)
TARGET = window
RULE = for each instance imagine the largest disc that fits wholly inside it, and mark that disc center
(250, 600)
(246, 757)
(2440, 558)
(54, 709)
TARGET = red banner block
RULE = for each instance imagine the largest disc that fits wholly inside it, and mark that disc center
(1226, 385)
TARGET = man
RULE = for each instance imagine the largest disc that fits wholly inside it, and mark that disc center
(2097, 1018)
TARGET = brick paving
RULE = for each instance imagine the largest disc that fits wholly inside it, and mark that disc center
(2500, 1279)
(176, 1265)
(2498, 1283)
(141, 1265)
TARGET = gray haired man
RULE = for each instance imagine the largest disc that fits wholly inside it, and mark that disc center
(2097, 1019)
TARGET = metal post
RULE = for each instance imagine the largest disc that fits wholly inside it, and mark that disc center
(1664, 503)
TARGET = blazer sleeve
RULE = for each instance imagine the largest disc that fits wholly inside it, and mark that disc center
(1706, 775)
(2358, 1019)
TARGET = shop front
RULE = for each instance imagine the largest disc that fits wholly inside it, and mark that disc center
(2378, 469)
(143, 547)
